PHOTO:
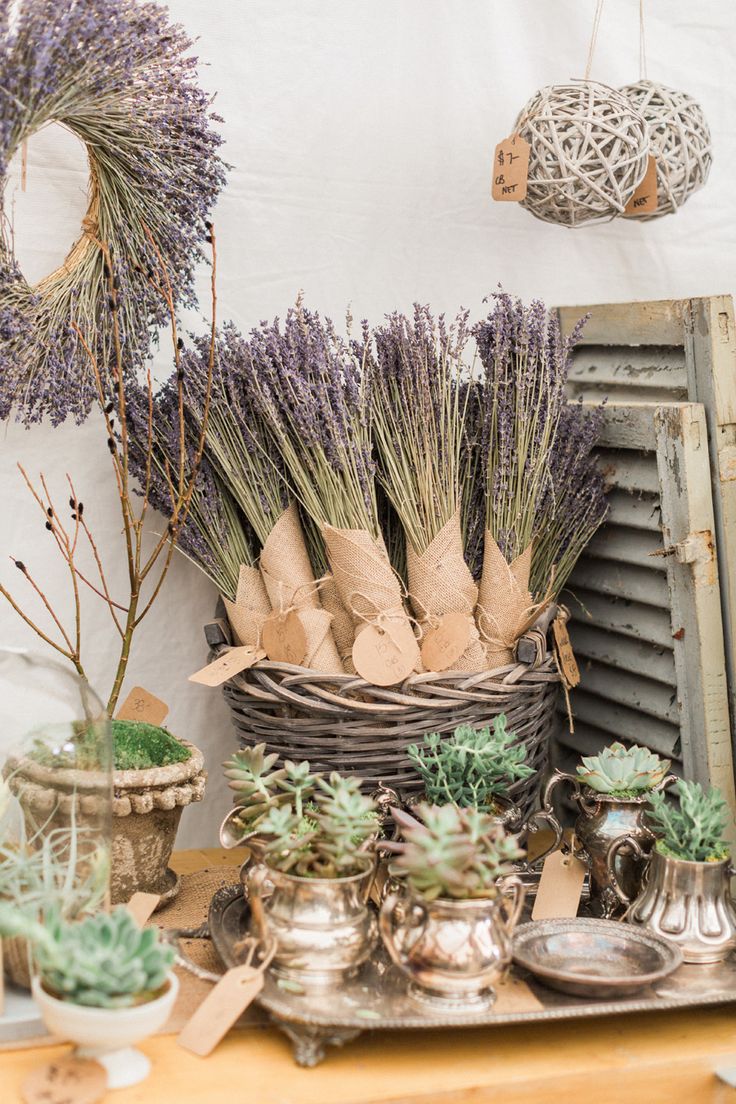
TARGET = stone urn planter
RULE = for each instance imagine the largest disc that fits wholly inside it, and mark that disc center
(146, 809)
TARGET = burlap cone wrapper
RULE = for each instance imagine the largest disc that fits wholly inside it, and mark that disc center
(290, 584)
(504, 601)
(364, 579)
(250, 608)
(342, 623)
(440, 582)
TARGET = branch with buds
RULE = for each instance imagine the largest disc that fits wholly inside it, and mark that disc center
(146, 570)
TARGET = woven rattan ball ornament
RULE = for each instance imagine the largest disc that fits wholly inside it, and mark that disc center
(680, 139)
(589, 151)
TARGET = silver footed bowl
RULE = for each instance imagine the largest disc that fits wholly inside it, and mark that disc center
(593, 958)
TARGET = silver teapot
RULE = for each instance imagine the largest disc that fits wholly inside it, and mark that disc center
(602, 819)
(688, 903)
(323, 927)
(452, 951)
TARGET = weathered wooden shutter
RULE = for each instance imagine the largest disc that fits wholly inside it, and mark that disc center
(674, 350)
(648, 609)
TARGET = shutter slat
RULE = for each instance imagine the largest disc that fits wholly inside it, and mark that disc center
(640, 584)
(631, 619)
(621, 722)
(630, 546)
(629, 471)
(622, 653)
(637, 511)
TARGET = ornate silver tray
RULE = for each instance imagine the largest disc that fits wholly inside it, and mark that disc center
(377, 998)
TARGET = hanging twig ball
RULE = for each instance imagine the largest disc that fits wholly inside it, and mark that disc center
(589, 152)
(680, 139)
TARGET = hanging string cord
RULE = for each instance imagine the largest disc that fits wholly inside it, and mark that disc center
(593, 37)
(642, 44)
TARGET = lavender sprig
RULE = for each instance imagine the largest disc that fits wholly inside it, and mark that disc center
(418, 414)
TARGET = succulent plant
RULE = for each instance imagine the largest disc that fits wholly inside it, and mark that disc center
(259, 788)
(472, 767)
(694, 827)
(325, 837)
(622, 771)
(105, 960)
(453, 852)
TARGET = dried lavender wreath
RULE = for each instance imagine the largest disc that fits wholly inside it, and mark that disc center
(118, 76)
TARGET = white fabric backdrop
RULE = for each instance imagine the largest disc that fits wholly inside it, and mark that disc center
(361, 135)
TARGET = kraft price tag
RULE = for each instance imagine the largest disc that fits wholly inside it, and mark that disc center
(445, 643)
(644, 199)
(70, 1080)
(560, 887)
(514, 995)
(284, 638)
(220, 1009)
(565, 654)
(225, 666)
(510, 169)
(142, 706)
(141, 907)
(385, 656)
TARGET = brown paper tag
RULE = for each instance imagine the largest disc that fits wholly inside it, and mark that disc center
(385, 656)
(560, 887)
(514, 995)
(644, 199)
(284, 638)
(228, 664)
(220, 1009)
(510, 169)
(445, 643)
(142, 706)
(69, 1080)
(566, 656)
(141, 906)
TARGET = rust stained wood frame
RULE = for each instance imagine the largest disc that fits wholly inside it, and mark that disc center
(658, 634)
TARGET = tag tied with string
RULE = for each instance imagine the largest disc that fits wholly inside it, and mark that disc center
(385, 651)
(227, 1001)
(446, 641)
(283, 637)
(510, 169)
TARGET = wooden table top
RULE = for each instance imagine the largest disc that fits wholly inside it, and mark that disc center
(662, 1058)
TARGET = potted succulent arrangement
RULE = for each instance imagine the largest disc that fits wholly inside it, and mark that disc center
(473, 768)
(448, 929)
(612, 792)
(686, 893)
(309, 889)
(102, 983)
(155, 774)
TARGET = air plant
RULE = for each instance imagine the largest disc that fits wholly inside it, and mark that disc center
(473, 767)
(453, 853)
(621, 771)
(103, 961)
(695, 828)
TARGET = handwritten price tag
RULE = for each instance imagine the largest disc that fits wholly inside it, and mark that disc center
(225, 666)
(142, 706)
(510, 170)
(284, 639)
(644, 199)
(385, 656)
(566, 656)
(445, 643)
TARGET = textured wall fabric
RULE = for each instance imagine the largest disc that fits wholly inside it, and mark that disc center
(361, 136)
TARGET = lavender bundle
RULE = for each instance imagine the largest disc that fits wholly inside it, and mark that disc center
(312, 398)
(525, 364)
(418, 413)
(215, 536)
(239, 443)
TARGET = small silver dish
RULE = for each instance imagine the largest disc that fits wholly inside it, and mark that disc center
(593, 958)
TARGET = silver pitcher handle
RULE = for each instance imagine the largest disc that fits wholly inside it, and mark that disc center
(631, 844)
(253, 882)
(546, 815)
(512, 887)
(230, 835)
(387, 926)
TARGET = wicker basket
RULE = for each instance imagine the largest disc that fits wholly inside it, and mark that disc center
(341, 722)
